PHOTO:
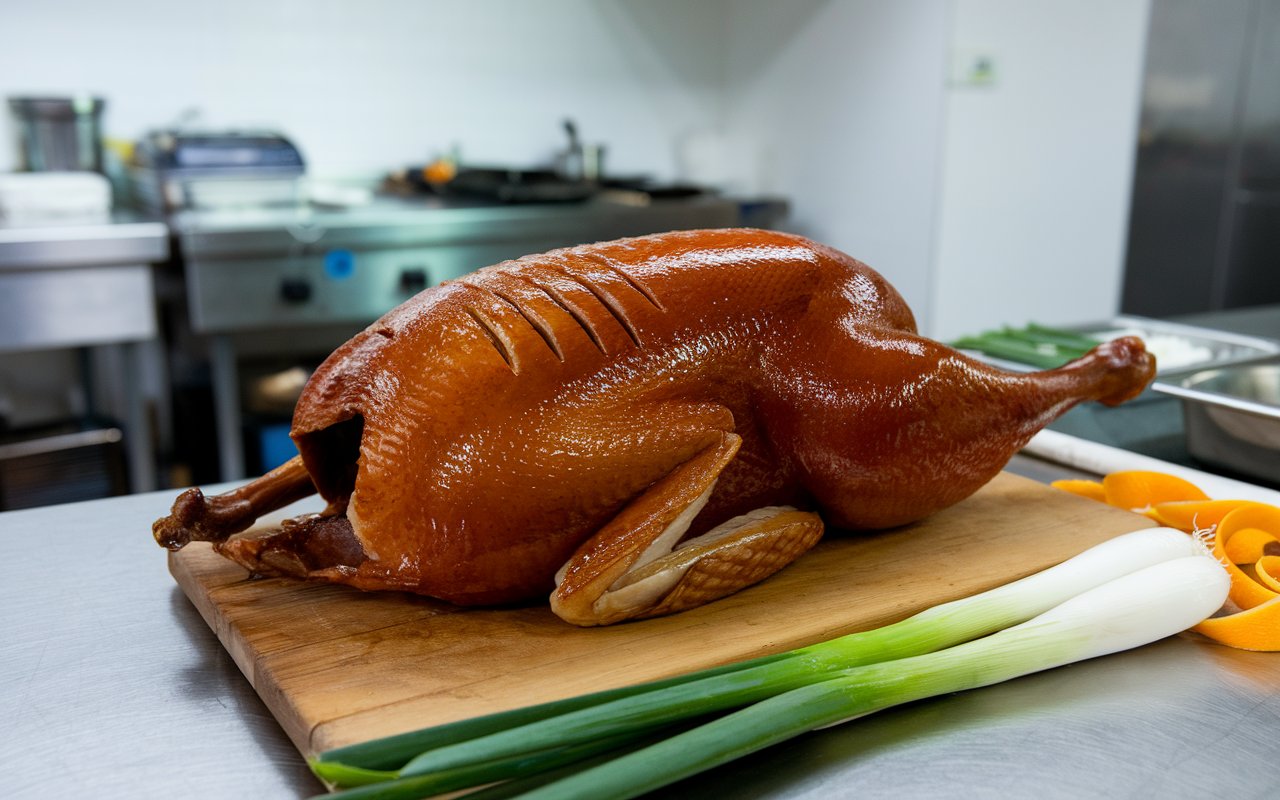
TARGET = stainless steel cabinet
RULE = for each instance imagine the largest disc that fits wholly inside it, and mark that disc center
(1206, 194)
(87, 284)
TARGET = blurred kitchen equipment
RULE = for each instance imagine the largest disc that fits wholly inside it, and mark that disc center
(703, 158)
(61, 464)
(277, 392)
(593, 163)
(268, 410)
(1178, 348)
(569, 163)
(1204, 222)
(85, 284)
(58, 133)
(518, 186)
(175, 170)
(580, 162)
(1232, 417)
(500, 184)
(254, 280)
(36, 196)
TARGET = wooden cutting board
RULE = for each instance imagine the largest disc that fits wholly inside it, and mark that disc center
(338, 666)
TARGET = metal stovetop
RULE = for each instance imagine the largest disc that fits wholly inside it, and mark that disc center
(424, 221)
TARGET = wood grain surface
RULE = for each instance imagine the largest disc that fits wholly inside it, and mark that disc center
(338, 666)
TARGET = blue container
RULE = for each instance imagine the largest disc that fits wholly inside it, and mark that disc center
(275, 446)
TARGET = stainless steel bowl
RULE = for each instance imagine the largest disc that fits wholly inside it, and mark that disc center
(1232, 417)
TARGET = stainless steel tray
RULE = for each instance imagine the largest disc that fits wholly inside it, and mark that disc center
(1232, 417)
(1199, 348)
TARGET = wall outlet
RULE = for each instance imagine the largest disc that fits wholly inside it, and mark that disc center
(973, 67)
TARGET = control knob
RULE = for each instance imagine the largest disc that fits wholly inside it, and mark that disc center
(295, 290)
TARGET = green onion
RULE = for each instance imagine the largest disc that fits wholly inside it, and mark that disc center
(1060, 337)
(1044, 356)
(933, 629)
(394, 787)
(1128, 612)
(1035, 345)
(641, 709)
(391, 752)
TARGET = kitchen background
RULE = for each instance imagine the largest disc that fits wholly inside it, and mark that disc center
(843, 107)
(980, 153)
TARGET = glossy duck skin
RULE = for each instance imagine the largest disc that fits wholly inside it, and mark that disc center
(571, 411)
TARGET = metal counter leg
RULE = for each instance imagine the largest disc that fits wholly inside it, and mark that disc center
(138, 435)
(226, 408)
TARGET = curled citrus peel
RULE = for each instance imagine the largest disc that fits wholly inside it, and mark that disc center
(1141, 491)
(1090, 489)
(1189, 515)
(1245, 539)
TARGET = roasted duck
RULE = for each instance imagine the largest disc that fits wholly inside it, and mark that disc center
(636, 427)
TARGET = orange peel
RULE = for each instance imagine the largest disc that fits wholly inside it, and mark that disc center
(1241, 533)
(1268, 571)
(1246, 541)
(1246, 591)
(1253, 629)
(1139, 490)
(1091, 490)
(1189, 515)
(1247, 545)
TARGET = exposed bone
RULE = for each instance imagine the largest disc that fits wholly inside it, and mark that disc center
(298, 547)
(197, 518)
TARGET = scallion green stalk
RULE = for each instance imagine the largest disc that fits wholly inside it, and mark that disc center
(936, 628)
(646, 707)
(388, 754)
(1060, 337)
(395, 787)
(1036, 345)
(1043, 355)
(1128, 612)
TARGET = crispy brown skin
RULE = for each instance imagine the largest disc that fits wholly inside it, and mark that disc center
(502, 419)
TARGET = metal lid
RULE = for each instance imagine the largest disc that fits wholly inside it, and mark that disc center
(59, 108)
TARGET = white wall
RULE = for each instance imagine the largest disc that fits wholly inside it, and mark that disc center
(838, 105)
(1036, 169)
(366, 86)
(984, 205)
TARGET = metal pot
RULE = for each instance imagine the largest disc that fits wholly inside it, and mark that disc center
(58, 133)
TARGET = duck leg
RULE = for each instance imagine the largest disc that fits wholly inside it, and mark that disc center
(313, 546)
(197, 518)
(629, 569)
(893, 427)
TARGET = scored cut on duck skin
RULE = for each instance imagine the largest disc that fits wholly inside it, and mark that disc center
(637, 427)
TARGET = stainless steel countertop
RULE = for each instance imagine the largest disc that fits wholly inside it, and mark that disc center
(113, 686)
(123, 237)
(391, 221)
